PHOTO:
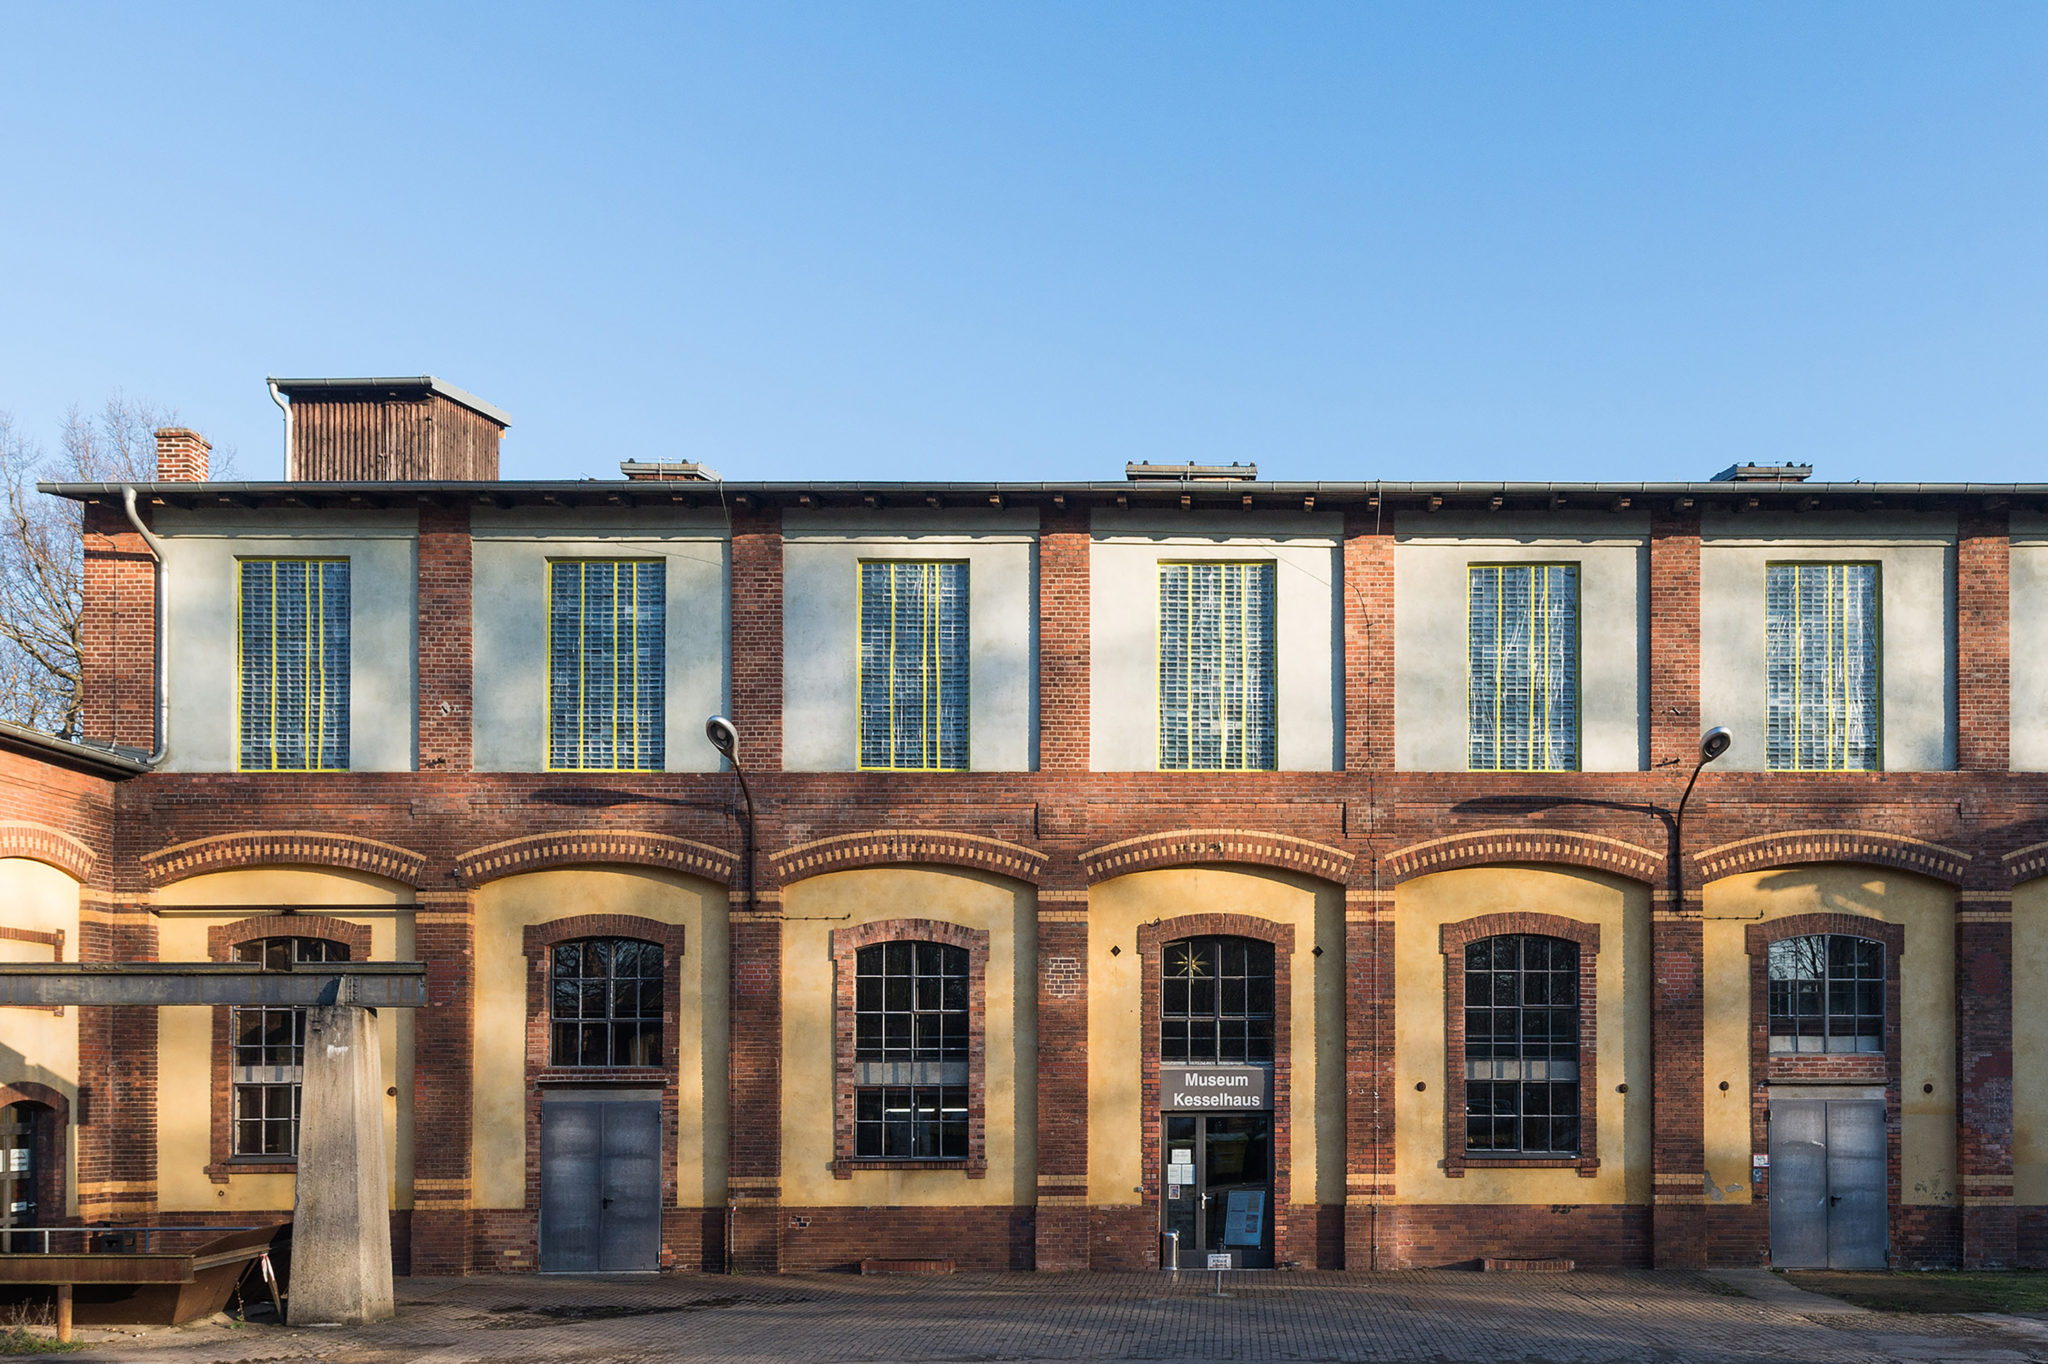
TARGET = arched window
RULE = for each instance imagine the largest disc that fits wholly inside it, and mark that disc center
(1827, 994)
(910, 1029)
(1522, 1046)
(1216, 1000)
(269, 1053)
(606, 1004)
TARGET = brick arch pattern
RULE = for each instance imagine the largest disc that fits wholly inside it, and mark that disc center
(1492, 847)
(846, 946)
(50, 1146)
(1452, 939)
(283, 847)
(221, 942)
(1290, 1240)
(901, 847)
(2024, 864)
(1202, 847)
(1796, 846)
(585, 847)
(41, 843)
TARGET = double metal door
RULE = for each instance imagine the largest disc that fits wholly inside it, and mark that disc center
(1217, 1193)
(600, 1186)
(1828, 1204)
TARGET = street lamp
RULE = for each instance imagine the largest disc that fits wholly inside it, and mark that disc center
(1713, 744)
(725, 737)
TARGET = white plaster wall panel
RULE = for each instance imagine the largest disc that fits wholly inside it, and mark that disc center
(1124, 627)
(201, 579)
(1916, 624)
(2029, 645)
(1431, 655)
(509, 624)
(821, 555)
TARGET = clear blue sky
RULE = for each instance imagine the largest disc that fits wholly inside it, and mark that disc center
(1035, 240)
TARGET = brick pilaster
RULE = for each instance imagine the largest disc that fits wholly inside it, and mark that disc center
(1983, 642)
(445, 664)
(118, 630)
(117, 1066)
(757, 637)
(1368, 640)
(1063, 641)
(1062, 1222)
(1678, 1141)
(1984, 1135)
(1674, 643)
(754, 1161)
(443, 938)
(1369, 1225)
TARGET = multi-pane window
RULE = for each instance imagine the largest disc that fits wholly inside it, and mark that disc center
(1216, 1000)
(1522, 1046)
(1523, 646)
(910, 1027)
(268, 1053)
(1216, 666)
(913, 665)
(1821, 667)
(607, 662)
(606, 1003)
(1827, 994)
(293, 645)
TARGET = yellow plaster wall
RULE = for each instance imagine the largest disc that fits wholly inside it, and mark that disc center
(504, 909)
(2030, 1043)
(1926, 909)
(1008, 912)
(1622, 910)
(185, 1035)
(1116, 909)
(35, 1044)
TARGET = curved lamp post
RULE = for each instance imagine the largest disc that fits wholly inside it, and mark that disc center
(725, 737)
(1713, 744)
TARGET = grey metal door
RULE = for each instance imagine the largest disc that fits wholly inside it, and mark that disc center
(1828, 1204)
(600, 1187)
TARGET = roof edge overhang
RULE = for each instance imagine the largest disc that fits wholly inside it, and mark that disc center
(426, 383)
(104, 762)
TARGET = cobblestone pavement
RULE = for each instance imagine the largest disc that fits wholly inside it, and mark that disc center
(1439, 1317)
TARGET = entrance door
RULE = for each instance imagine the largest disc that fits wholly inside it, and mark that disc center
(19, 1133)
(1828, 1204)
(600, 1187)
(1218, 1187)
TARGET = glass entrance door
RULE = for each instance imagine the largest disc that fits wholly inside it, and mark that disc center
(18, 1142)
(1218, 1187)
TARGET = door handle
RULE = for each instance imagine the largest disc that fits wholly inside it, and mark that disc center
(607, 1202)
(1833, 1199)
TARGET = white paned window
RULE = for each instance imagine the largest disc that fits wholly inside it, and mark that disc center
(1216, 666)
(1523, 693)
(913, 666)
(607, 660)
(293, 665)
(1821, 641)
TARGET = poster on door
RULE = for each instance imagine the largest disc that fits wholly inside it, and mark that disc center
(1244, 1217)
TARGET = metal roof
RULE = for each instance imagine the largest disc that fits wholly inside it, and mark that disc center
(420, 381)
(105, 761)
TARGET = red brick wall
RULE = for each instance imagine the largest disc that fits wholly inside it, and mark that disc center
(1983, 642)
(118, 630)
(444, 639)
(1063, 641)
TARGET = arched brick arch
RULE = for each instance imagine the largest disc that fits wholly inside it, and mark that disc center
(900, 847)
(41, 843)
(586, 847)
(2024, 864)
(1198, 847)
(1491, 847)
(1793, 847)
(283, 847)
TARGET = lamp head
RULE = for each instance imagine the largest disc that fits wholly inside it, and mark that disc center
(1715, 742)
(724, 736)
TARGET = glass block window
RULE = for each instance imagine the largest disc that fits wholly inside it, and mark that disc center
(913, 666)
(1216, 1000)
(607, 662)
(911, 1014)
(1821, 652)
(1827, 994)
(1522, 1046)
(1216, 666)
(606, 1003)
(267, 1054)
(1523, 646)
(293, 665)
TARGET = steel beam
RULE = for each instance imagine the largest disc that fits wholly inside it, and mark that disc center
(366, 984)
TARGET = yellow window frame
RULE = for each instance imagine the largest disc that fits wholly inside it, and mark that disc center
(1159, 652)
(1578, 665)
(583, 665)
(929, 649)
(315, 740)
(1876, 568)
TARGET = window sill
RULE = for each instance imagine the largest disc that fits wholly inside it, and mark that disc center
(252, 1165)
(602, 1075)
(844, 1169)
(1456, 1166)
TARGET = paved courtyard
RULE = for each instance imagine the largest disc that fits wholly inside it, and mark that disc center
(1441, 1317)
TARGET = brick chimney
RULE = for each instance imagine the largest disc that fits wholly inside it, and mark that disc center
(180, 455)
